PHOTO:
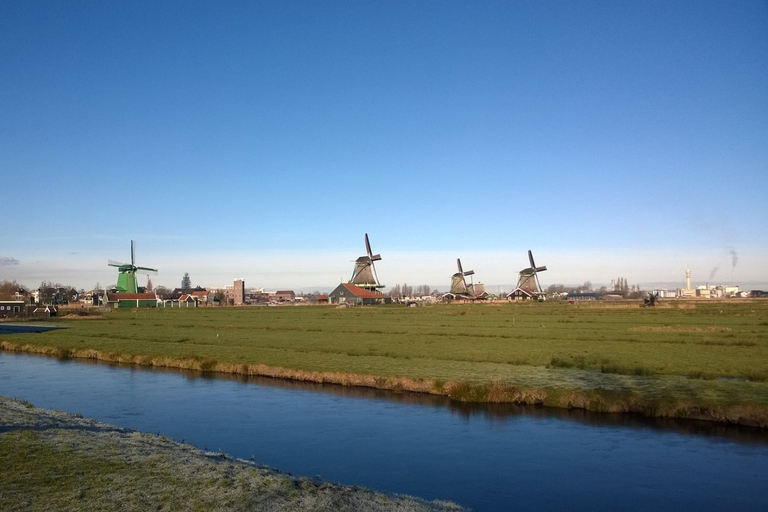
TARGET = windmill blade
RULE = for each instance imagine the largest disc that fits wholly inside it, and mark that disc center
(147, 269)
(373, 257)
(533, 265)
(113, 263)
(461, 270)
(133, 258)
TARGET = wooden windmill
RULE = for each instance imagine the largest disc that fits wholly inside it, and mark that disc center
(528, 278)
(461, 289)
(364, 275)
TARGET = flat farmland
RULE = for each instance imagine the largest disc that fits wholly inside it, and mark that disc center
(685, 359)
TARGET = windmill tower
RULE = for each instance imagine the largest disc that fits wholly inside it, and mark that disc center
(126, 277)
(528, 278)
(364, 275)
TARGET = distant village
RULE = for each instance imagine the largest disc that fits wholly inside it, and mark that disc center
(18, 301)
(363, 288)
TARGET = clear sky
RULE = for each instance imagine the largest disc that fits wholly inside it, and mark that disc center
(262, 140)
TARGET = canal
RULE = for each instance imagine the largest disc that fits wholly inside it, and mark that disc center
(482, 457)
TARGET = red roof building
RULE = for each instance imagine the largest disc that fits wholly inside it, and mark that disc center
(347, 293)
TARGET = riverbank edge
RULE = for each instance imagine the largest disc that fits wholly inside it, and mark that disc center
(111, 467)
(595, 400)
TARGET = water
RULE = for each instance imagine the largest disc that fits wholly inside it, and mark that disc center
(486, 458)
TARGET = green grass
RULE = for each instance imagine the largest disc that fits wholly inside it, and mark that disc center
(628, 349)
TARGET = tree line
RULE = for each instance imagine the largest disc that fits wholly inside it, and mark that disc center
(619, 286)
(405, 290)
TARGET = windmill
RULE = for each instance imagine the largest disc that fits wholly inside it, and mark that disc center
(364, 275)
(650, 299)
(461, 289)
(126, 278)
(528, 279)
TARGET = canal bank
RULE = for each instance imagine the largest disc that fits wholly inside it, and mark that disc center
(673, 397)
(52, 459)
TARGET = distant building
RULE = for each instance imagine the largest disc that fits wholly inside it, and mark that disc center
(520, 295)
(132, 300)
(318, 299)
(235, 294)
(44, 310)
(238, 292)
(285, 296)
(348, 293)
(202, 296)
(187, 301)
(11, 308)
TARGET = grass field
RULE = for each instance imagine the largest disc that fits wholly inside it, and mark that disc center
(688, 358)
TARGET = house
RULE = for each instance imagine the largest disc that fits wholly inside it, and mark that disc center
(519, 295)
(131, 300)
(187, 301)
(347, 293)
(11, 308)
(318, 299)
(202, 296)
(45, 310)
(285, 296)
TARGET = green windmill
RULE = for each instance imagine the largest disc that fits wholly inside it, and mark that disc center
(126, 279)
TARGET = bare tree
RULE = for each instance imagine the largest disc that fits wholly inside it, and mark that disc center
(9, 288)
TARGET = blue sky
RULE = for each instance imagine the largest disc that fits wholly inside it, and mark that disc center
(263, 139)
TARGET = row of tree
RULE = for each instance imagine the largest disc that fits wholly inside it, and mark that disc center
(49, 293)
(9, 288)
(619, 286)
(401, 291)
